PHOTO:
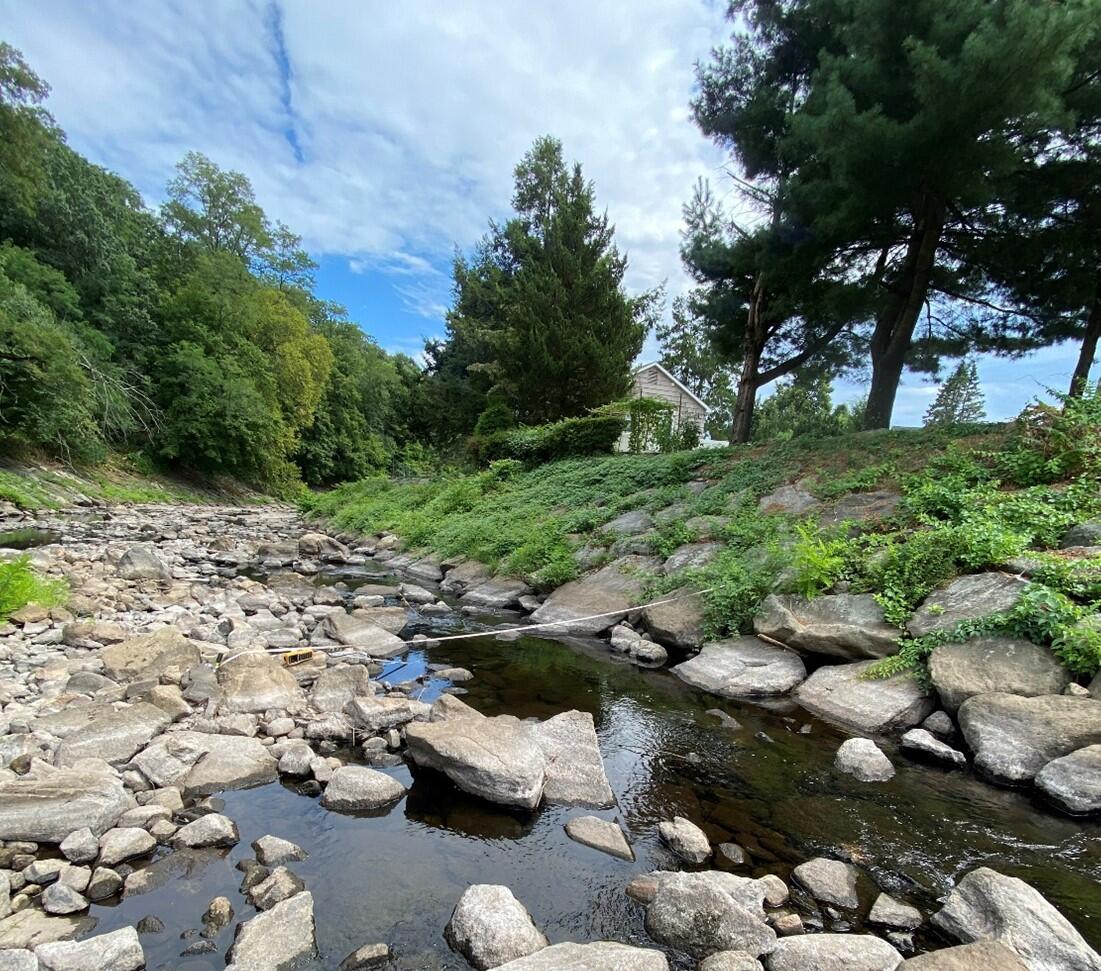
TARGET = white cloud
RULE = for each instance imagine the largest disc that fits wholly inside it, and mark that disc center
(408, 117)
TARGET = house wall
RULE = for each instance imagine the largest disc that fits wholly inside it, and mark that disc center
(651, 383)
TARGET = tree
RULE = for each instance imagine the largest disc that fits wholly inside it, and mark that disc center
(959, 400)
(26, 128)
(801, 406)
(540, 312)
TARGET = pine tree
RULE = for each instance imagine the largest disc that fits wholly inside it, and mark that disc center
(959, 400)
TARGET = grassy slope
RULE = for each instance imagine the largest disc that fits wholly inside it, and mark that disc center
(957, 517)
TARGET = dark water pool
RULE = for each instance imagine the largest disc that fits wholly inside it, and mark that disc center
(28, 538)
(396, 878)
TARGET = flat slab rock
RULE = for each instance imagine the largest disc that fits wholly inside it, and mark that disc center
(1013, 738)
(985, 664)
(363, 634)
(599, 956)
(117, 951)
(48, 809)
(573, 766)
(1074, 781)
(838, 694)
(966, 598)
(600, 834)
(989, 905)
(276, 939)
(203, 764)
(114, 736)
(30, 927)
(743, 667)
(149, 655)
(612, 589)
(834, 952)
(844, 625)
(980, 956)
(497, 593)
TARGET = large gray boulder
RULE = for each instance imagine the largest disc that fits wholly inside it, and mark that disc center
(357, 788)
(201, 764)
(142, 563)
(363, 634)
(1013, 738)
(336, 687)
(701, 918)
(118, 951)
(743, 667)
(49, 808)
(277, 939)
(630, 523)
(256, 682)
(989, 905)
(844, 625)
(792, 500)
(497, 593)
(829, 881)
(490, 927)
(573, 766)
(610, 591)
(1074, 781)
(114, 736)
(498, 759)
(149, 655)
(599, 956)
(966, 598)
(840, 694)
(465, 576)
(677, 624)
(1083, 534)
(864, 760)
(833, 952)
(980, 956)
(985, 664)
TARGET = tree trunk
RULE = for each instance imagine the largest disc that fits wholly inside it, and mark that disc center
(748, 380)
(1081, 378)
(894, 326)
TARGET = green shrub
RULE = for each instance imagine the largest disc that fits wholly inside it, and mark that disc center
(20, 585)
(1055, 442)
(591, 435)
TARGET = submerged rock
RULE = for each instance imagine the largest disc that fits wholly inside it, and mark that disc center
(490, 927)
(839, 693)
(844, 625)
(743, 667)
(862, 758)
(600, 834)
(986, 664)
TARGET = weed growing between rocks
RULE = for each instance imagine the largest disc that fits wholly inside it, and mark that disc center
(20, 585)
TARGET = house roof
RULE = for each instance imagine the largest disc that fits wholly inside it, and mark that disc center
(654, 364)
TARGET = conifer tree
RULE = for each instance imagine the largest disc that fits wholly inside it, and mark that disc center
(960, 399)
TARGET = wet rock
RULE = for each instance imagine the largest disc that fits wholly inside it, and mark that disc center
(277, 938)
(61, 899)
(490, 927)
(355, 788)
(213, 829)
(1074, 781)
(600, 834)
(377, 714)
(889, 912)
(124, 843)
(573, 767)
(1004, 664)
(678, 624)
(844, 625)
(80, 846)
(917, 741)
(833, 952)
(611, 590)
(980, 956)
(685, 839)
(988, 905)
(743, 667)
(150, 925)
(105, 883)
(600, 956)
(141, 563)
(363, 634)
(201, 764)
(118, 951)
(939, 723)
(1013, 738)
(731, 856)
(257, 682)
(498, 593)
(278, 886)
(273, 851)
(149, 655)
(114, 736)
(862, 758)
(838, 693)
(701, 918)
(829, 881)
(218, 914)
(368, 956)
(966, 598)
(50, 807)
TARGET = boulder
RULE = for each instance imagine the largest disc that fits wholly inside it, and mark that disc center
(465, 576)
(114, 736)
(630, 523)
(497, 593)
(862, 758)
(141, 563)
(426, 568)
(691, 556)
(678, 624)
(490, 927)
(377, 714)
(335, 687)
(829, 881)
(838, 693)
(1083, 534)
(258, 682)
(988, 905)
(573, 767)
(980, 956)
(966, 598)
(861, 507)
(392, 619)
(356, 788)
(833, 952)
(1013, 738)
(118, 951)
(278, 886)
(124, 843)
(600, 834)
(18, 960)
(743, 667)
(730, 961)
(318, 546)
(985, 664)
(498, 759)
(276, 939)
(60, 898)
(213, 829)
(1074, 781)
(685, 839)
(845, 625)
(599, 956)
(610, 591)
(149, 655)
(363, 634)
(47, 809)
(918, 741)
(793, 500)
(201, 764)
(273, 851)
(888, 912)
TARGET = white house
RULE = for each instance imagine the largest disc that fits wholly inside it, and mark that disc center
(654, 381)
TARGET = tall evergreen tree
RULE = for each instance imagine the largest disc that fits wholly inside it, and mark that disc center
(959, 400)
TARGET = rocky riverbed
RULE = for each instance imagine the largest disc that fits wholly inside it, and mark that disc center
(172, 795)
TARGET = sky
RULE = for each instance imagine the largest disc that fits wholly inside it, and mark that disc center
(386, 133)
